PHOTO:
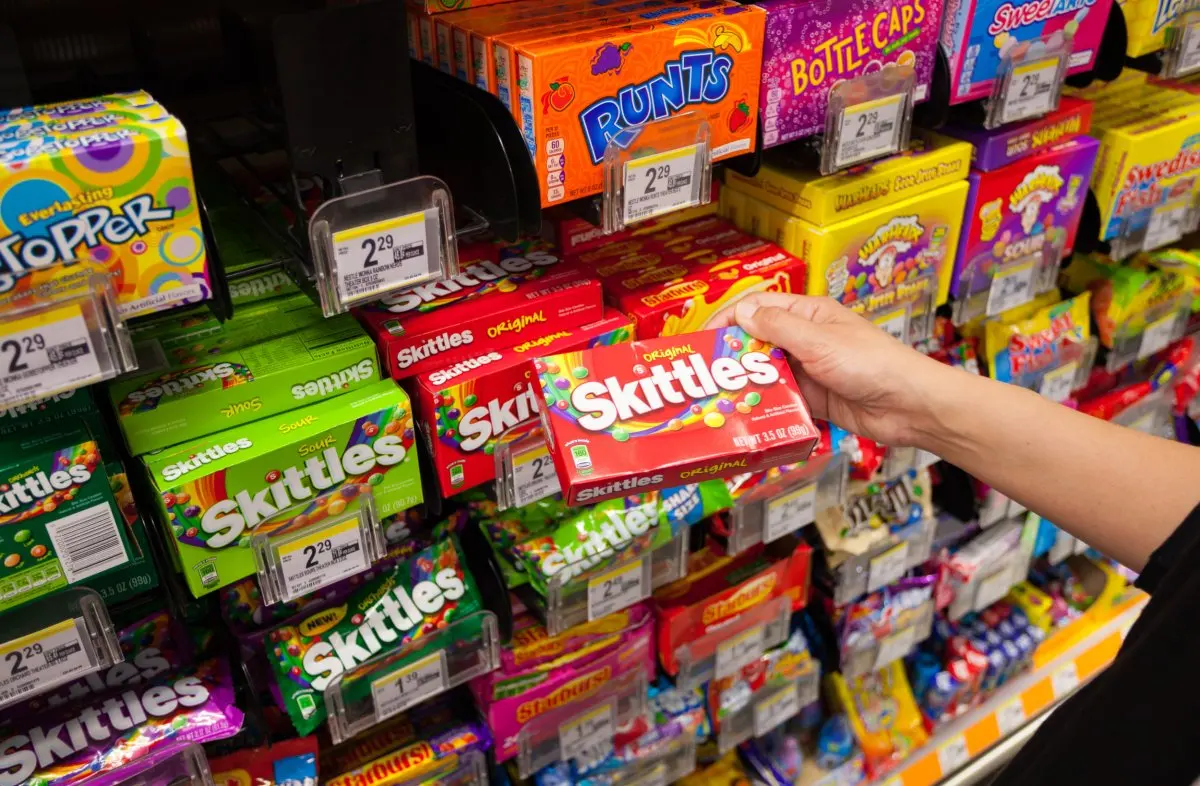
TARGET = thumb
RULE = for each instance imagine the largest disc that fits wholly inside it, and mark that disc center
(783, 328)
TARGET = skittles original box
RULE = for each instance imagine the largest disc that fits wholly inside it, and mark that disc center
(1030, 208)
(707, 62)
(978, 35)
(216, 490)
(117, 200)
(669, 411)
(810, 45)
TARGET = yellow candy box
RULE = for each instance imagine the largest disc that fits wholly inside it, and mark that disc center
(118, 199)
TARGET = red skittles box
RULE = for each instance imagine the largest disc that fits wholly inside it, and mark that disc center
(473, 399)
(490, 304)
(669, 411)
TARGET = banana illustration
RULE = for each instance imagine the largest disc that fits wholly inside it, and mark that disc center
(725, 37)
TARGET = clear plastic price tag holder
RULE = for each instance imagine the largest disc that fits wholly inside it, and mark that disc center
(656, 168)
(989, 585)
(374, 242)
(615, 587)
(1028, 84)
(660, 767)
(392, 682)
(524, 468)
(1152, 415)
(462, 769)
(868, 117)
(1156, 227)
(736, 644)
(898, 460)
(187, 767)
(311, 545)
(1069, 371)
(906, 310)
(780, 507)
(63, 341)
(1162, 326)
(914, 628)
(904, 550)
(997, 286)
(52, 641)
(587, 724)
(1181, 56)
(771, 706)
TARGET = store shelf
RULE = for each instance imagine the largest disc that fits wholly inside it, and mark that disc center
(954, 746)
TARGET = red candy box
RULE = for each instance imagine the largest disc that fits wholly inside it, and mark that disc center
(669, 411)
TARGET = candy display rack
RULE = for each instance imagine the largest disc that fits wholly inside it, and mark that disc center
(770, 706)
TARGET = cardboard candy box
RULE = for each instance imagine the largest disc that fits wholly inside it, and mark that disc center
(1002, 146)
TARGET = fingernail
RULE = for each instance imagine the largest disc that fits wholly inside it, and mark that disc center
(745, 310)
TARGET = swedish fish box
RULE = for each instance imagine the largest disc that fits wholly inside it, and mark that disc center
(216, 490)
(707, 62)
(117, 200)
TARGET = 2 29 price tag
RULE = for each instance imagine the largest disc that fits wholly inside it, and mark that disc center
(46, 354)
(618, 589)
(789, 512)
(534, 476)
(373, 259)
(322, 557)
(895, 324)
(661, 183)
(1031, 90)
(42, 660)
(869, 130)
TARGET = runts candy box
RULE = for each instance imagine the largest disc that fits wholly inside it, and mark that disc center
(670, 411)
(810, 45)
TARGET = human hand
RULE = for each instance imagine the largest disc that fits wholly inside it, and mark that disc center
(850, 371)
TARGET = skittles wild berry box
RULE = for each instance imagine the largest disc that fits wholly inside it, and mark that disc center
(669, 411)
(810, 45)
(117, 200)
(216, 490)
(473, 399)
(707, 62)
(979, 35)
(1030, 208)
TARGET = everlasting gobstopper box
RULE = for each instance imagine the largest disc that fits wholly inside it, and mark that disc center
(669, 411)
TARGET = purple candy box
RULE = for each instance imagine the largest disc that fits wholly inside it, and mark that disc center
(811, 45)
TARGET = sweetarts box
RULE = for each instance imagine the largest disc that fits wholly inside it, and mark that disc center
(465, 405)
(215, 491)
(978, 35)
(117, 200)
(490, 304)
(1030, 208)
(999, 147)
(810, 45)
(669, 411)
(707, 62)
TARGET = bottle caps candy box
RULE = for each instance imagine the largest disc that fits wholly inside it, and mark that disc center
(1002, 146)
(471, 400)
(669, 411)
(810, 45)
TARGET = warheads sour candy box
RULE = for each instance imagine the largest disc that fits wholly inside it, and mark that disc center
(810, 45)
(707, 62)
(117, 200)
(992, 149)
(670, 411)
(216, 490)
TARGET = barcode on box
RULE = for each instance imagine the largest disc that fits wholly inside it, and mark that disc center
(87, 542)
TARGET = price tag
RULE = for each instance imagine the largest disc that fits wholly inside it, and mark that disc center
(953, 755)
(410, 685)
(1010, 717)
(1011, 287)
(655, 777)
(1031, 90)
(534, 476)
(895, 324)
(869, 130)
(47, 353)
(585, 732)
(887, 567)
(1157, 335)
(1189, 51)
(376, 258)
(41, 660)
(1057, 383)
(322, 558)
(1065, 680)
(1166, 226)
(776, 709)
(741, 650)
(660, 183)
(789, 512)
(618, 589)
(895, 646)
(992, 588)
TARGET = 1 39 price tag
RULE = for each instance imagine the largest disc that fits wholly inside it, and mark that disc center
(376, 258)
(869, 130)
(661, 183)
(618, 589)
(789, 512)
(42, 660)
(534, 476)
(321, 558)
(47, 354)
(410, 685)
(585, 732)
(1031, 90)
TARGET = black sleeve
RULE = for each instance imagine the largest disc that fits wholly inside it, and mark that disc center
(1135, 722)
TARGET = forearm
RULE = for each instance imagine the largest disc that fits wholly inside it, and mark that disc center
(1117, 489)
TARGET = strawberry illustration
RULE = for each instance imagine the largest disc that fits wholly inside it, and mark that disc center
(559, 96)
(739, 116)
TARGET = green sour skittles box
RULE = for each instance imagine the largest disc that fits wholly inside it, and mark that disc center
(215, 491)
